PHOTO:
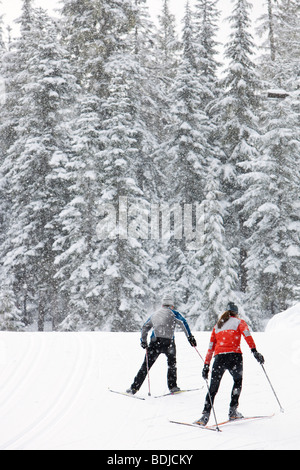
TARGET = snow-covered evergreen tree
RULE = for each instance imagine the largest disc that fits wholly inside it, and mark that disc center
(13, 63)
(2, 46)
(187, 154)
(108, 123)
(288, 43)
(123, 262)
(10, 315)
(120, 135)
(266, 29)
(280, 65)
(2, 84)
(76, 245)
(167, 60)
(189, 149)
(92, 30)
(168, 43)
(146, 94)
(34, 163)
(271, 202)
(151, 100)
(272, 178)
(206, 24)
(238, 120)
(218, 267)
(13, 70)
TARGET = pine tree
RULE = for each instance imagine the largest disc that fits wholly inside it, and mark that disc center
(149, 94)
(188, 145)
(92, 30)
(168, 43)
(10, 315)
(167, 61)
(122, 77)
(213, 263)
(13, 70)
(206, 23)
(188, 154)
(280, 66)
(271, 202)
(34, 163)
(238, 121)
(272, 178)
(267, 27)
(217, 271)
(288, 44)
(2, 45)
(2, 92)
(14, 62)
(124, 262)
(86, 163)
(76, 245)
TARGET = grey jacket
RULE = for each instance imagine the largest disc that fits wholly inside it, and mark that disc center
(164, 322)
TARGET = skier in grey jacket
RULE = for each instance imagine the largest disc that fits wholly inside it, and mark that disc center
(163, 322)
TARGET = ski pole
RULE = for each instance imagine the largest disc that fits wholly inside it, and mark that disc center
(281, 409)
(209, 395)
(148, 374)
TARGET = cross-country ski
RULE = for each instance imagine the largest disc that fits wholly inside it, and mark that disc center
(178, 392)
(214, 427)
(126, 394)
(194, 425)
(243, 419)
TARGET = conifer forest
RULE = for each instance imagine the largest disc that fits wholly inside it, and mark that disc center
(137, 160)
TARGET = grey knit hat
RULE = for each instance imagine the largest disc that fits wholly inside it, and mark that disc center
(168, 300)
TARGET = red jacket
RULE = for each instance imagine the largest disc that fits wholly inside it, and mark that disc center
(228, 338)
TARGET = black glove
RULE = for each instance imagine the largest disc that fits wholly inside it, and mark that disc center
(259, 357)
(192, 341)
(144, 344)
(205, 371)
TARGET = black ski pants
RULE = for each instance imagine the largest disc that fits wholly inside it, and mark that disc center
(157, 347)
(233, 362)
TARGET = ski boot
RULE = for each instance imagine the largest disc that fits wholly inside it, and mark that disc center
(174, 389)
(234, 414)
(203, 420)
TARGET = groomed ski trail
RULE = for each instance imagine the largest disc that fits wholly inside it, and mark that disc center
(54, 394)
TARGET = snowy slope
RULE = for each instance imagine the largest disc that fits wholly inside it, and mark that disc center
(54, 393)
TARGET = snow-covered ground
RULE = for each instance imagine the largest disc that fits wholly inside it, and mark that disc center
(54, 393)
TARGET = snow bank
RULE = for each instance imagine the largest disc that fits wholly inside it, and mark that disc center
(287, 320)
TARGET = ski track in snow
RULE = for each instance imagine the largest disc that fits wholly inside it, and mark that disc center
(60, 400)
(54, 394)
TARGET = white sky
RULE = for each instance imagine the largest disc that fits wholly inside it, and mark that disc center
(12, 9)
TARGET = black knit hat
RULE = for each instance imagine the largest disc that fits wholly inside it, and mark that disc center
(232, 307)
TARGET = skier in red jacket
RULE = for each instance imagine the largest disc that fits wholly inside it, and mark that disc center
(225, 346)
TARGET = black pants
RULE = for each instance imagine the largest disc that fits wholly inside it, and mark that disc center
(157, 347)
(233, 362)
